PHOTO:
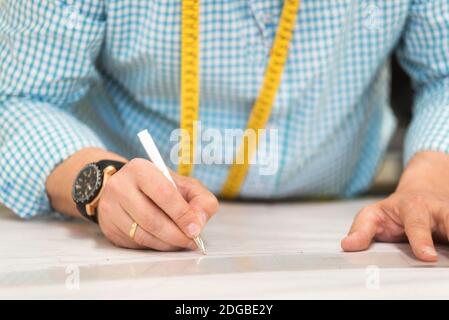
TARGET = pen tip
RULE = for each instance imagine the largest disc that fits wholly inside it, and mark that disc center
(200, 244)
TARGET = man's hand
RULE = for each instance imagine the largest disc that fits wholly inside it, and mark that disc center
(168, 218)
(418, 211)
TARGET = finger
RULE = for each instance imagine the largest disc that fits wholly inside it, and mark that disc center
(151, 219)
(417, 226)
(118, 239)
(198, 196)
(363, 230)
(116, 215)
(165, 195)
(114, 235)
(141, 237)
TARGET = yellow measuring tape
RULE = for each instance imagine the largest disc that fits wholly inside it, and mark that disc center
(262, 108)
(190, 83)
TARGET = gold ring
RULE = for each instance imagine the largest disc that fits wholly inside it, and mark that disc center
(132, 231)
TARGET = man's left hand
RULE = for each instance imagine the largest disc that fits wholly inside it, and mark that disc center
(418, 211)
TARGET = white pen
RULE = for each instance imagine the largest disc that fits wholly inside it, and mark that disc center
(155, 156)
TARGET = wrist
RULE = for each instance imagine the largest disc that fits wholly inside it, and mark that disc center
(426, 171)
(59, 183)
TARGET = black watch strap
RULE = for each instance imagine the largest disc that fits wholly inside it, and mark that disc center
(102, 165)
(82, 209)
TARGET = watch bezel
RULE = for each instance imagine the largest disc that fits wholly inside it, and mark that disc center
(98, 183)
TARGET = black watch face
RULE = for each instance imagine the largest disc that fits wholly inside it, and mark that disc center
(87, 184)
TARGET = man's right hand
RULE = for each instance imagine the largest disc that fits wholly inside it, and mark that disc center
(168, 218)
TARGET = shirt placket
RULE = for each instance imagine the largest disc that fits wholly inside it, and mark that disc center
(266, 14)
(266, 19)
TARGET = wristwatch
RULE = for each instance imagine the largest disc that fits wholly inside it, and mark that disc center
(89, 185)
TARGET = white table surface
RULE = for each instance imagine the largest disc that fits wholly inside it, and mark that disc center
(288, 251)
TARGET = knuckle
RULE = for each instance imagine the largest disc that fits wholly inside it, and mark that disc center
(185, 217)
(417, 223)
(113, 186)
(164, 193)
(192, 182)
(138, 169)
(136, 163)
(417, 200)
(196, 182)
(151, 226)
(182, 181)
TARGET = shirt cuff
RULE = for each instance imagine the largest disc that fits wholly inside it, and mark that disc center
(429, 130)
(34, 139)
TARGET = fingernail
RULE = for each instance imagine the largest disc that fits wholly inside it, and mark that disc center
(203, 217)
(193, 229)
(429, 251)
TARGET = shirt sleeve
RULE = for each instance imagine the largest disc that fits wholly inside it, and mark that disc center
(47, 55)
(424, 53)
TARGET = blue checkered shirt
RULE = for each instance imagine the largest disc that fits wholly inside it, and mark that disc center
(93, 73)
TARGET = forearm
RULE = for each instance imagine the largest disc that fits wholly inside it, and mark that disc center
(59, 183)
